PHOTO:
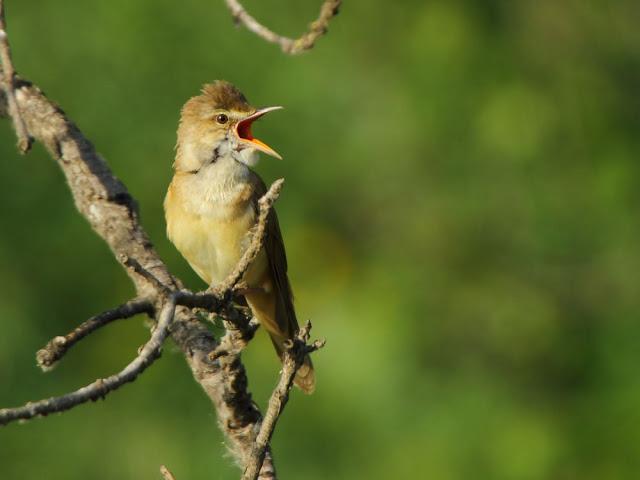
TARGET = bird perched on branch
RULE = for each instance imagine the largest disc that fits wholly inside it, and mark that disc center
(211, 208)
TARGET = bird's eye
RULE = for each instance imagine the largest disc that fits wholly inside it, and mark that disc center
(222, 119)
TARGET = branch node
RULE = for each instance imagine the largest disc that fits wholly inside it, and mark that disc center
(137, 267)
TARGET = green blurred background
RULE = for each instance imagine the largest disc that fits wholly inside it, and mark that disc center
(461, 215)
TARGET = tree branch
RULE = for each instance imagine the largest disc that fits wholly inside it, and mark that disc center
(291, 46)
(113, 214)
(149, 353)
(166, 473)
(292, 360)
(58, 346)
(24, 139)
(264, 205)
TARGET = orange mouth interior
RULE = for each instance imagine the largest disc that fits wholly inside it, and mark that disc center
(243, 130)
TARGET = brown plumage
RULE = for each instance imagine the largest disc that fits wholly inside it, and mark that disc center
(211, 208)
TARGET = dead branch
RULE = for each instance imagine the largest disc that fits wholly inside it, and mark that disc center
(166, 473)
(24, 139)
(291, 46)
(204, 300)
(264, 205)
(292, 360)
(58, 346)
(149, 353)
(112, 213)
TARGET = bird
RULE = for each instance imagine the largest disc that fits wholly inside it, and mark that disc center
(211, 209)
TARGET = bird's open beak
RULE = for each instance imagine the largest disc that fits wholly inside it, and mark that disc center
(243, 130)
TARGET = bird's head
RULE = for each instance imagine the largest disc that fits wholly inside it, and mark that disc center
(217, 124)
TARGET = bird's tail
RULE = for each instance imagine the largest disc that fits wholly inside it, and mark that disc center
(305, 378)
(278, 318)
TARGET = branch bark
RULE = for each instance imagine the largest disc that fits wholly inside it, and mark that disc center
(290, 46)
(292, 360)
(149, 353)
(166, 473)
(56, 348)
(24, 139)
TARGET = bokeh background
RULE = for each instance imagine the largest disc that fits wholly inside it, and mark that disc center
(461, 215)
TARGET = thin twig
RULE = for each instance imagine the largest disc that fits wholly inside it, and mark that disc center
(291, 46)
(24, 139)
(101, 387)
(58, 346)
(136, 267)
(264, 205)
(292, 360)
(166, 473)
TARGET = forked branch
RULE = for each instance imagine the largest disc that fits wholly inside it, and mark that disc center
(58, 346)
(149, 353)
(112, 212)
(292, 360)
(288, 45)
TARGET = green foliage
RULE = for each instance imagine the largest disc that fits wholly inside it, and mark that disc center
(461, 214)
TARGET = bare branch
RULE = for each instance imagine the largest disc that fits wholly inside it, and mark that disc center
(239, 325)
(291, 46)
(113, 214)
(166, 473)
(136, 267)
(105, 202)
(204, 300)
(292, 360)
(24, 139)
(265, 203)
(149, 353)
(58, 346)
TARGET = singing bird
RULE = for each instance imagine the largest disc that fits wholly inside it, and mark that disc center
(211, 208)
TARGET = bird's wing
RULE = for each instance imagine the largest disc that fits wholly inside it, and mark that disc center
(274, 248)
(280, 300)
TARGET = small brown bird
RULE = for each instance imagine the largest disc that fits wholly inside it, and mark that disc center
(212, 203)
